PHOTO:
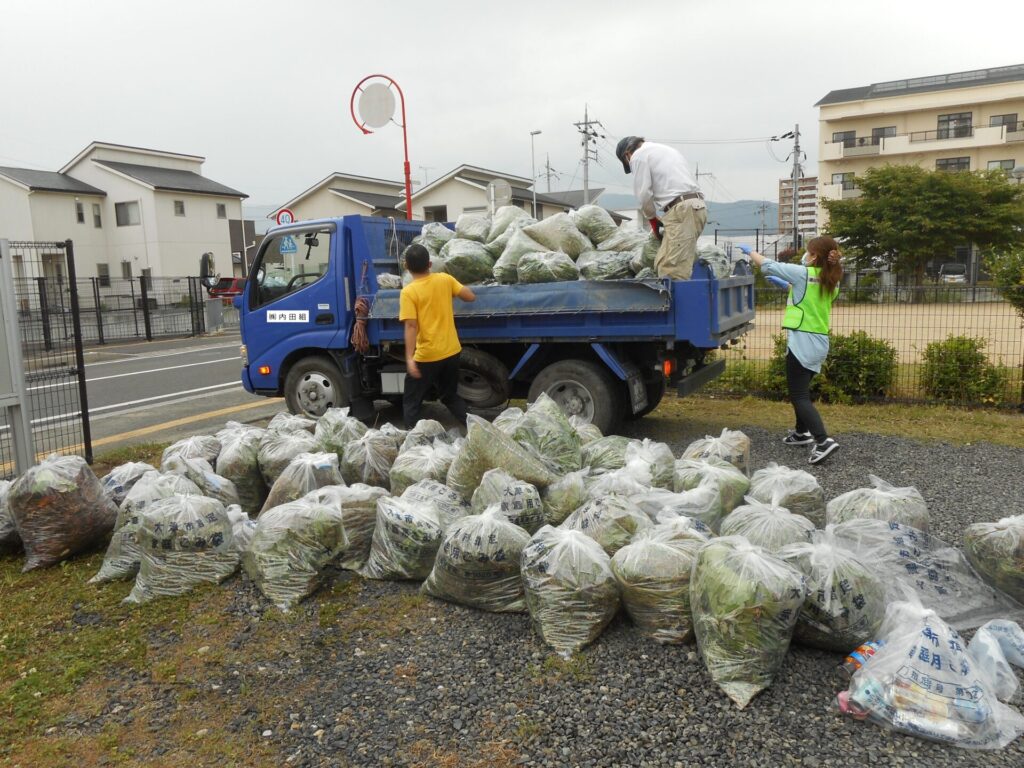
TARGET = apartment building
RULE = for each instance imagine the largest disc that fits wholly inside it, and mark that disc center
(965, 121)
(806, 204)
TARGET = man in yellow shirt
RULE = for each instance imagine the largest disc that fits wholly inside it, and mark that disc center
(431, 344)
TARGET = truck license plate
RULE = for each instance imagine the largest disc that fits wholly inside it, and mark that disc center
(637, 392)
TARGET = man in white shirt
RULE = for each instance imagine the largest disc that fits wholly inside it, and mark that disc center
(662, 181)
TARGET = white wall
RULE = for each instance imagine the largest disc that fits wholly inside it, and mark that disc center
(181, 240)
(53, 218)
(452, 193)
(15, 214)
(324, 204)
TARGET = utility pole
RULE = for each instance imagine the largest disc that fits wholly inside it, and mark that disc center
(590, 136)
(697, 174)
(796, 184)
(548, 172)
(426, 168)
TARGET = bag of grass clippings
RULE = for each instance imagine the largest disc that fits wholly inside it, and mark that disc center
(845, 601)
(239, 462)
(60, 509)
(587, 432)
(277, 449)
(209, 482)
(996, 550)
(405, 541)
(205, 447)
(336, 429)
(292, 545)
(504, 217)
(486, 448)
(369, 459)
(449, 503)
(546, 267)
(478, 563)
(434, 235)
(619, 482)
(605, 265)
(121, 479)
(732, 446)
(880, 502)
(745, 603)
(701, 503)
(644, 256)
(546, 431)
(571, 593)
(518, 501)
(10, 541)
(305, 473)
(425, 432)
(794, 489)
(653, 459)
(653, 573)
(290, 422)
(467, 261)
(611, 521)
(508, 420)
(559, 233)
(605, 454)
(730, 483)
(595, 222)
(626, 238)
(565, 496)
(358, 505)
(519, 244)
(472, 226)
(767, 525)
(425, 462)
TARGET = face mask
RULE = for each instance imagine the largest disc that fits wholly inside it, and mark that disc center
(806, 259)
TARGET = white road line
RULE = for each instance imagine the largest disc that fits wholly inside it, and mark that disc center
(137, 358)
(135, 373)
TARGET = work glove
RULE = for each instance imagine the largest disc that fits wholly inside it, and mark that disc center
(657, 227)
(746, 249)
(778, 282)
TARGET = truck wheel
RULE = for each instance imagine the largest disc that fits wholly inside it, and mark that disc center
(312, 386)
(583, 389)
(483, 379)
(655, 391)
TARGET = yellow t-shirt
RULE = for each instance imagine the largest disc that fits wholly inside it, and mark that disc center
(428, 300)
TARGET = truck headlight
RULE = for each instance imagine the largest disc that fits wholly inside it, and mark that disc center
(243, 352)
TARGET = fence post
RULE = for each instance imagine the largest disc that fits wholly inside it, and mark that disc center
(716, 237)
(135, 308)
(99, 310)
(76, 324)
(145, 309)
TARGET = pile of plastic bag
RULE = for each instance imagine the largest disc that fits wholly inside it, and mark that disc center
(519, 502)
(767, 525)
(796, 490)
(305, 473)
(880, 502)
(406, 538)
(238, 461)
(996, 550)
(731, 446)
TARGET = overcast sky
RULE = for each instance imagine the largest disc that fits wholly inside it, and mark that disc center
(261, 89)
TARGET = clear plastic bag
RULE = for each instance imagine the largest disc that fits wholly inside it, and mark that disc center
(653, 572)
(644, 257)
(715, 257)
(478, 563)
(745, 604)
(60, 509)
(185, 541)
(605, 265)
(388, 282)
(767, 525)
(496, 247)
(546, 267)
(425, 432)
(606, 454)
(915, 565)
(881, 502)
(595, 222)
(504, 217)
(570, 590)
(424, 462)
(653, 459)
(845, 601)
(277, 449)
(559, 233)
(242, 528)
(201, 473)
(732, 446)
(449, 503)
(434, 235)
(239, 462)
(506, 268)
(732, 485)
(794, 489)
(292, 545)
(358, 506)
(626, 238)
(994, 647)
(996, 550)
(620, 482)
(10, 541)
(336, 429)
(587, 432)
(922, 681)
(508, 420)
(368, 460)
(519, 502)
(472, 226)
(205, 447)
(611, 521)
(682, 528)
(290, 422)
(486, 448)
(545, 430)
(120, 480)
(701, 503)
(305, 473)
(565, 496)
(123, 555)
(405, 541)
(467, 261)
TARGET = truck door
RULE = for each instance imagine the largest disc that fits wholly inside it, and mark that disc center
(292, 299)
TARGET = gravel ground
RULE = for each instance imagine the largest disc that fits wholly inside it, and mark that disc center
(460, 687)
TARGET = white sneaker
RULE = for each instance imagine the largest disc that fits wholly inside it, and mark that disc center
(822, 451)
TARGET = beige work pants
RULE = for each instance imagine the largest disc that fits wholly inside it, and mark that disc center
(683, 225)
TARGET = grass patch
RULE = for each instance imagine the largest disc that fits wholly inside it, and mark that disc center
(147, 452)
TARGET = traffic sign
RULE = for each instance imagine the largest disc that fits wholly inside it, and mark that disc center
(285, 216)
(288, 245)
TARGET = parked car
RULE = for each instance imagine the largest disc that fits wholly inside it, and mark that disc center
(227, 287)
(952, 272)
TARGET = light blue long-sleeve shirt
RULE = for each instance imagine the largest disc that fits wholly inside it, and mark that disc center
(810, 349)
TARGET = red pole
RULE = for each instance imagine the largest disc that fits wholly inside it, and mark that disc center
(405, 135)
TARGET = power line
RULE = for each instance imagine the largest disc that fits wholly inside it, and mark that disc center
(590, 136)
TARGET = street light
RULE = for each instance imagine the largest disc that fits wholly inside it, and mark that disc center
(533, 173)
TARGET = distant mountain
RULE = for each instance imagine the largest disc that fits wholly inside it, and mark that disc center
(742, 214)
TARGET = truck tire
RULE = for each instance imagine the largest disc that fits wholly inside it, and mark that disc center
(655, 392)
(483, 379)
(313, 385)
(585, 389)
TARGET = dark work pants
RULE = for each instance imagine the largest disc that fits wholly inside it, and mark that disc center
(798, 379)
(445, 375)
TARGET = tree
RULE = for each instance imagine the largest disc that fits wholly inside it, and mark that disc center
(1007, 270)
(907, 215)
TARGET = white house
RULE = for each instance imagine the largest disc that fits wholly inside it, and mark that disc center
(342, 194)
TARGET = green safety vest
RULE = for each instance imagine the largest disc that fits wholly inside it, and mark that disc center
(813, 311)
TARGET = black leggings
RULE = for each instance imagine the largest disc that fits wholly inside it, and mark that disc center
(444, 374)
(807, 417)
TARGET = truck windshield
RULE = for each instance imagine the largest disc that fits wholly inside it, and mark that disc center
(290, 261)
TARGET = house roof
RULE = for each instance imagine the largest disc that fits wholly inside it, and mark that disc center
(398, 185)
(521, 193)
(372, 199)
(170, 179)
(889, 88)
(143, 150)
(50, 181)
(573, 198)
(471, 174)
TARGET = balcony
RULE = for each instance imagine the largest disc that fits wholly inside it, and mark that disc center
(1014, 132)
(961, 137)
(958, 132)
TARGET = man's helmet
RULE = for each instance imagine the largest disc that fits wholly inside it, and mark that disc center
(626, 145)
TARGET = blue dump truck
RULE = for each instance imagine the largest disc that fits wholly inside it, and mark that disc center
(605, 351)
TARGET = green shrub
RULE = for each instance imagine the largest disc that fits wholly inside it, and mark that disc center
(857, 368)
(864, 292)
(1007, 270)
(956, 370)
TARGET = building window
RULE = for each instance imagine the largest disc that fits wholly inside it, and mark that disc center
(845, 180)
(179, 207)
(435, 213)
(126, 270)
(222, 211)
(79, 212)
(953, 164)
(97, 220)
(955, 125)
(126, 214)
(1010, 121)
(1001, 165)
(846, 138)
(103, 273)
(877, 134)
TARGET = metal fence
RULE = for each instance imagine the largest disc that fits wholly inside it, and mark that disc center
(911, 320)
(48, 309)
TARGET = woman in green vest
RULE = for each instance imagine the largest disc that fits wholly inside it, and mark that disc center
(813, 286)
